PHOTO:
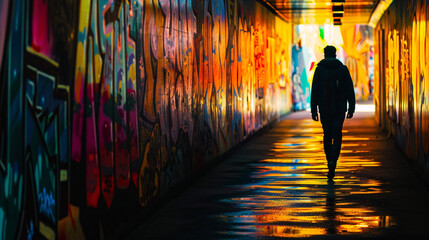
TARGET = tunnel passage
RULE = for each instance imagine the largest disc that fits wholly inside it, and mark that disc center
(108, 107)
(275, 187)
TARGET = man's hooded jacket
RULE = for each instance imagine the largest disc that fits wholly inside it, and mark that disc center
(332, 88)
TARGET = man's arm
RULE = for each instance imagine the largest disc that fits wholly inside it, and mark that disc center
(315, 95)
(350, 94)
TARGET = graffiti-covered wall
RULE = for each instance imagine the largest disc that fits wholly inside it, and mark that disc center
(402, 77)
(107, 106)
(358, 44)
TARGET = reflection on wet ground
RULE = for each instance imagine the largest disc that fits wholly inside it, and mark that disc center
(275, 186)
(289, 195)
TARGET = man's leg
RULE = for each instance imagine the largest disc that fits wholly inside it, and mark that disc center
(327, 124)
(327, 135)
(337, 135)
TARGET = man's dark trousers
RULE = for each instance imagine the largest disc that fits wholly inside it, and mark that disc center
(332, 129)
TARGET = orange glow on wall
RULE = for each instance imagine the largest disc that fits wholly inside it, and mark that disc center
(402, 77)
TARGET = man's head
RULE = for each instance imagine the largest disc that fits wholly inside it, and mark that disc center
(330, 51)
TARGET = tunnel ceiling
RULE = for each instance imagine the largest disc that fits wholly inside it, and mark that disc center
(321, 12)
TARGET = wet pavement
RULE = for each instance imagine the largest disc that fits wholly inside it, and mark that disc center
(275, 186)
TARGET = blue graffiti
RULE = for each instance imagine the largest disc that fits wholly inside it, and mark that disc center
(47, 204)
(30, 231)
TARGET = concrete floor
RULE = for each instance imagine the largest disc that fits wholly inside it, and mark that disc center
(275, 186)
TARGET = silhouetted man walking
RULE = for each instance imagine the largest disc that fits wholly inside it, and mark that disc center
(332, 89)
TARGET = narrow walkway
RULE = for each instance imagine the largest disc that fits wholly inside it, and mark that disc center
(276, 187)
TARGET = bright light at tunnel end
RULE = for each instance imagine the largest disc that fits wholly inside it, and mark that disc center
(369, 108)
(362, 108)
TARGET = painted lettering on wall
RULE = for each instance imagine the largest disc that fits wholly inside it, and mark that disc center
(405, 79)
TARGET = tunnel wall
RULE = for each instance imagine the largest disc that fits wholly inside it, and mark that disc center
(357, 44)
(402, 78)
(109, 106)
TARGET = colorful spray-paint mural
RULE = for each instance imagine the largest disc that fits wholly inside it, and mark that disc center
(401, 77)
(107, 106)
(358, 41)
(34, 142)
(354, 44)
(303, 61)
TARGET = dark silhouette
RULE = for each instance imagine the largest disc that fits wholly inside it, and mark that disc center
(332, 89)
